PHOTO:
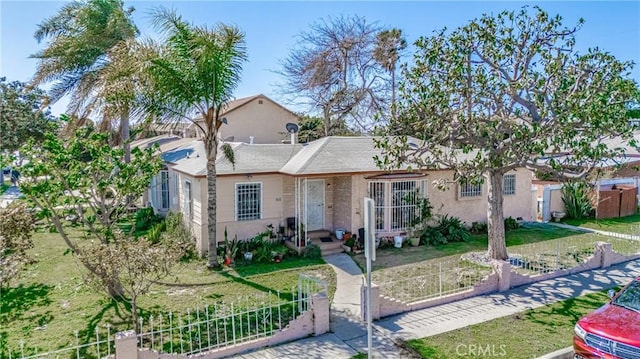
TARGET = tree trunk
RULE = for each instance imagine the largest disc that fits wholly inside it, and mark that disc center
(134, 315)
(326, 119)
(393, 93)
(125, 135)
(114, 288)
(211, 146)
(495, 217)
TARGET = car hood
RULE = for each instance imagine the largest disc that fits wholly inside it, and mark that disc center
(614, 322)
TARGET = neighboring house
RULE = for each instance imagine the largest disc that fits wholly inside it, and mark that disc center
(620, 170)
(255, 119)
(323, 184)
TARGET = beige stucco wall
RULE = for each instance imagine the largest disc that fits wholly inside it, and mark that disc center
(272, 206)
(449, 202)
(264, 121)
(198, 222)
(474, 209)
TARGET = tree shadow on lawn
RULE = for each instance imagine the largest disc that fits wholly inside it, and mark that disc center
(567, 311)
(283, 294)
(15, 301)
(246, 269)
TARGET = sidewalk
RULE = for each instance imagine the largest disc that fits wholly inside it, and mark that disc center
(348, 336)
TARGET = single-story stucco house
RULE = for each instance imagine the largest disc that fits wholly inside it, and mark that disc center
(322, 184)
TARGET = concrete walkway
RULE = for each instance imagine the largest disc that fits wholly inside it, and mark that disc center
(348, 336)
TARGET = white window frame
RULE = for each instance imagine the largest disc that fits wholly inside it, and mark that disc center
(248, 216)
(389, 214)
(162, 190)
(509, 185)
(188, 199)
(470, 190)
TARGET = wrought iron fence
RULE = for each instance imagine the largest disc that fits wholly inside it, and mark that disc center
(221, 325)
(103, 346)
(435, 279)
(549, 256)
(622, 246)
(212, 327)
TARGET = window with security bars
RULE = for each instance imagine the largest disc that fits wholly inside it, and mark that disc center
(469, 189)
(395, 203)
(509, 184)
(248, 201)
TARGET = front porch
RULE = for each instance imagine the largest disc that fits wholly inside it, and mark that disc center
(324, 239)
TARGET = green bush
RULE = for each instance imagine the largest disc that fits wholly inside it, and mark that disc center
(154, 235)
(312, 251)
(453, 229)
(510, 224)
(479, 228)
(145, 218)
(576, 200)
(432, 236)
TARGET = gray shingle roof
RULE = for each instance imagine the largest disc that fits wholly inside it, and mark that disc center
(334, 155)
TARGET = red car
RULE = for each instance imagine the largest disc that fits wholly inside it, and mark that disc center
(613, 330)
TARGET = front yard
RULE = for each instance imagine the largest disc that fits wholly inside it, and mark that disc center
(626, 225)
(390, 259)
(524, 335)
(52, 300)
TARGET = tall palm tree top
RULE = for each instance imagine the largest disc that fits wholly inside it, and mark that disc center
(81, 35)
(197, 68)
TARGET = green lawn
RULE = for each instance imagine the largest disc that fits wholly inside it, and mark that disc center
(51, 299)
(394, 257)
(524, 335)
(628, 225)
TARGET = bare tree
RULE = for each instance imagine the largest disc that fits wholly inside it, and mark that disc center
(333, 67)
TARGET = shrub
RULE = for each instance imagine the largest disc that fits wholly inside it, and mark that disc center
(432, 236)
(479, 228)
(145, 218)
(178, 233)
(312, 251)
(576, 200)
(510, 224)
(453, 229)
(154, 235)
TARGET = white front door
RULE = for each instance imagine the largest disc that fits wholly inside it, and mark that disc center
(315, 204)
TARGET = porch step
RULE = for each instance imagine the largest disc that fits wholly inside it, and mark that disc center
(327, 248)
(321, 233)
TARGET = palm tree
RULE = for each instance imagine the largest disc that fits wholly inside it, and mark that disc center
(193, 73)
(82, 34)
(389, 45)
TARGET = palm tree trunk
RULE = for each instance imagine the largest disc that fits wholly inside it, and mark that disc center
(211, 147)
(495, 217)
(393, 93)
(125, 135)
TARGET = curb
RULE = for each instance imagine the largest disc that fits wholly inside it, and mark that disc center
(566, 353)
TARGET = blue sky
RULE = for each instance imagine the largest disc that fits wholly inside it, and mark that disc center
(271, 27)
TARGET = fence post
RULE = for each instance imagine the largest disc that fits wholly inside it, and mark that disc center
(606, 252)
(320, 304)
(126, 345)
(503, 270)
(375, 301)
